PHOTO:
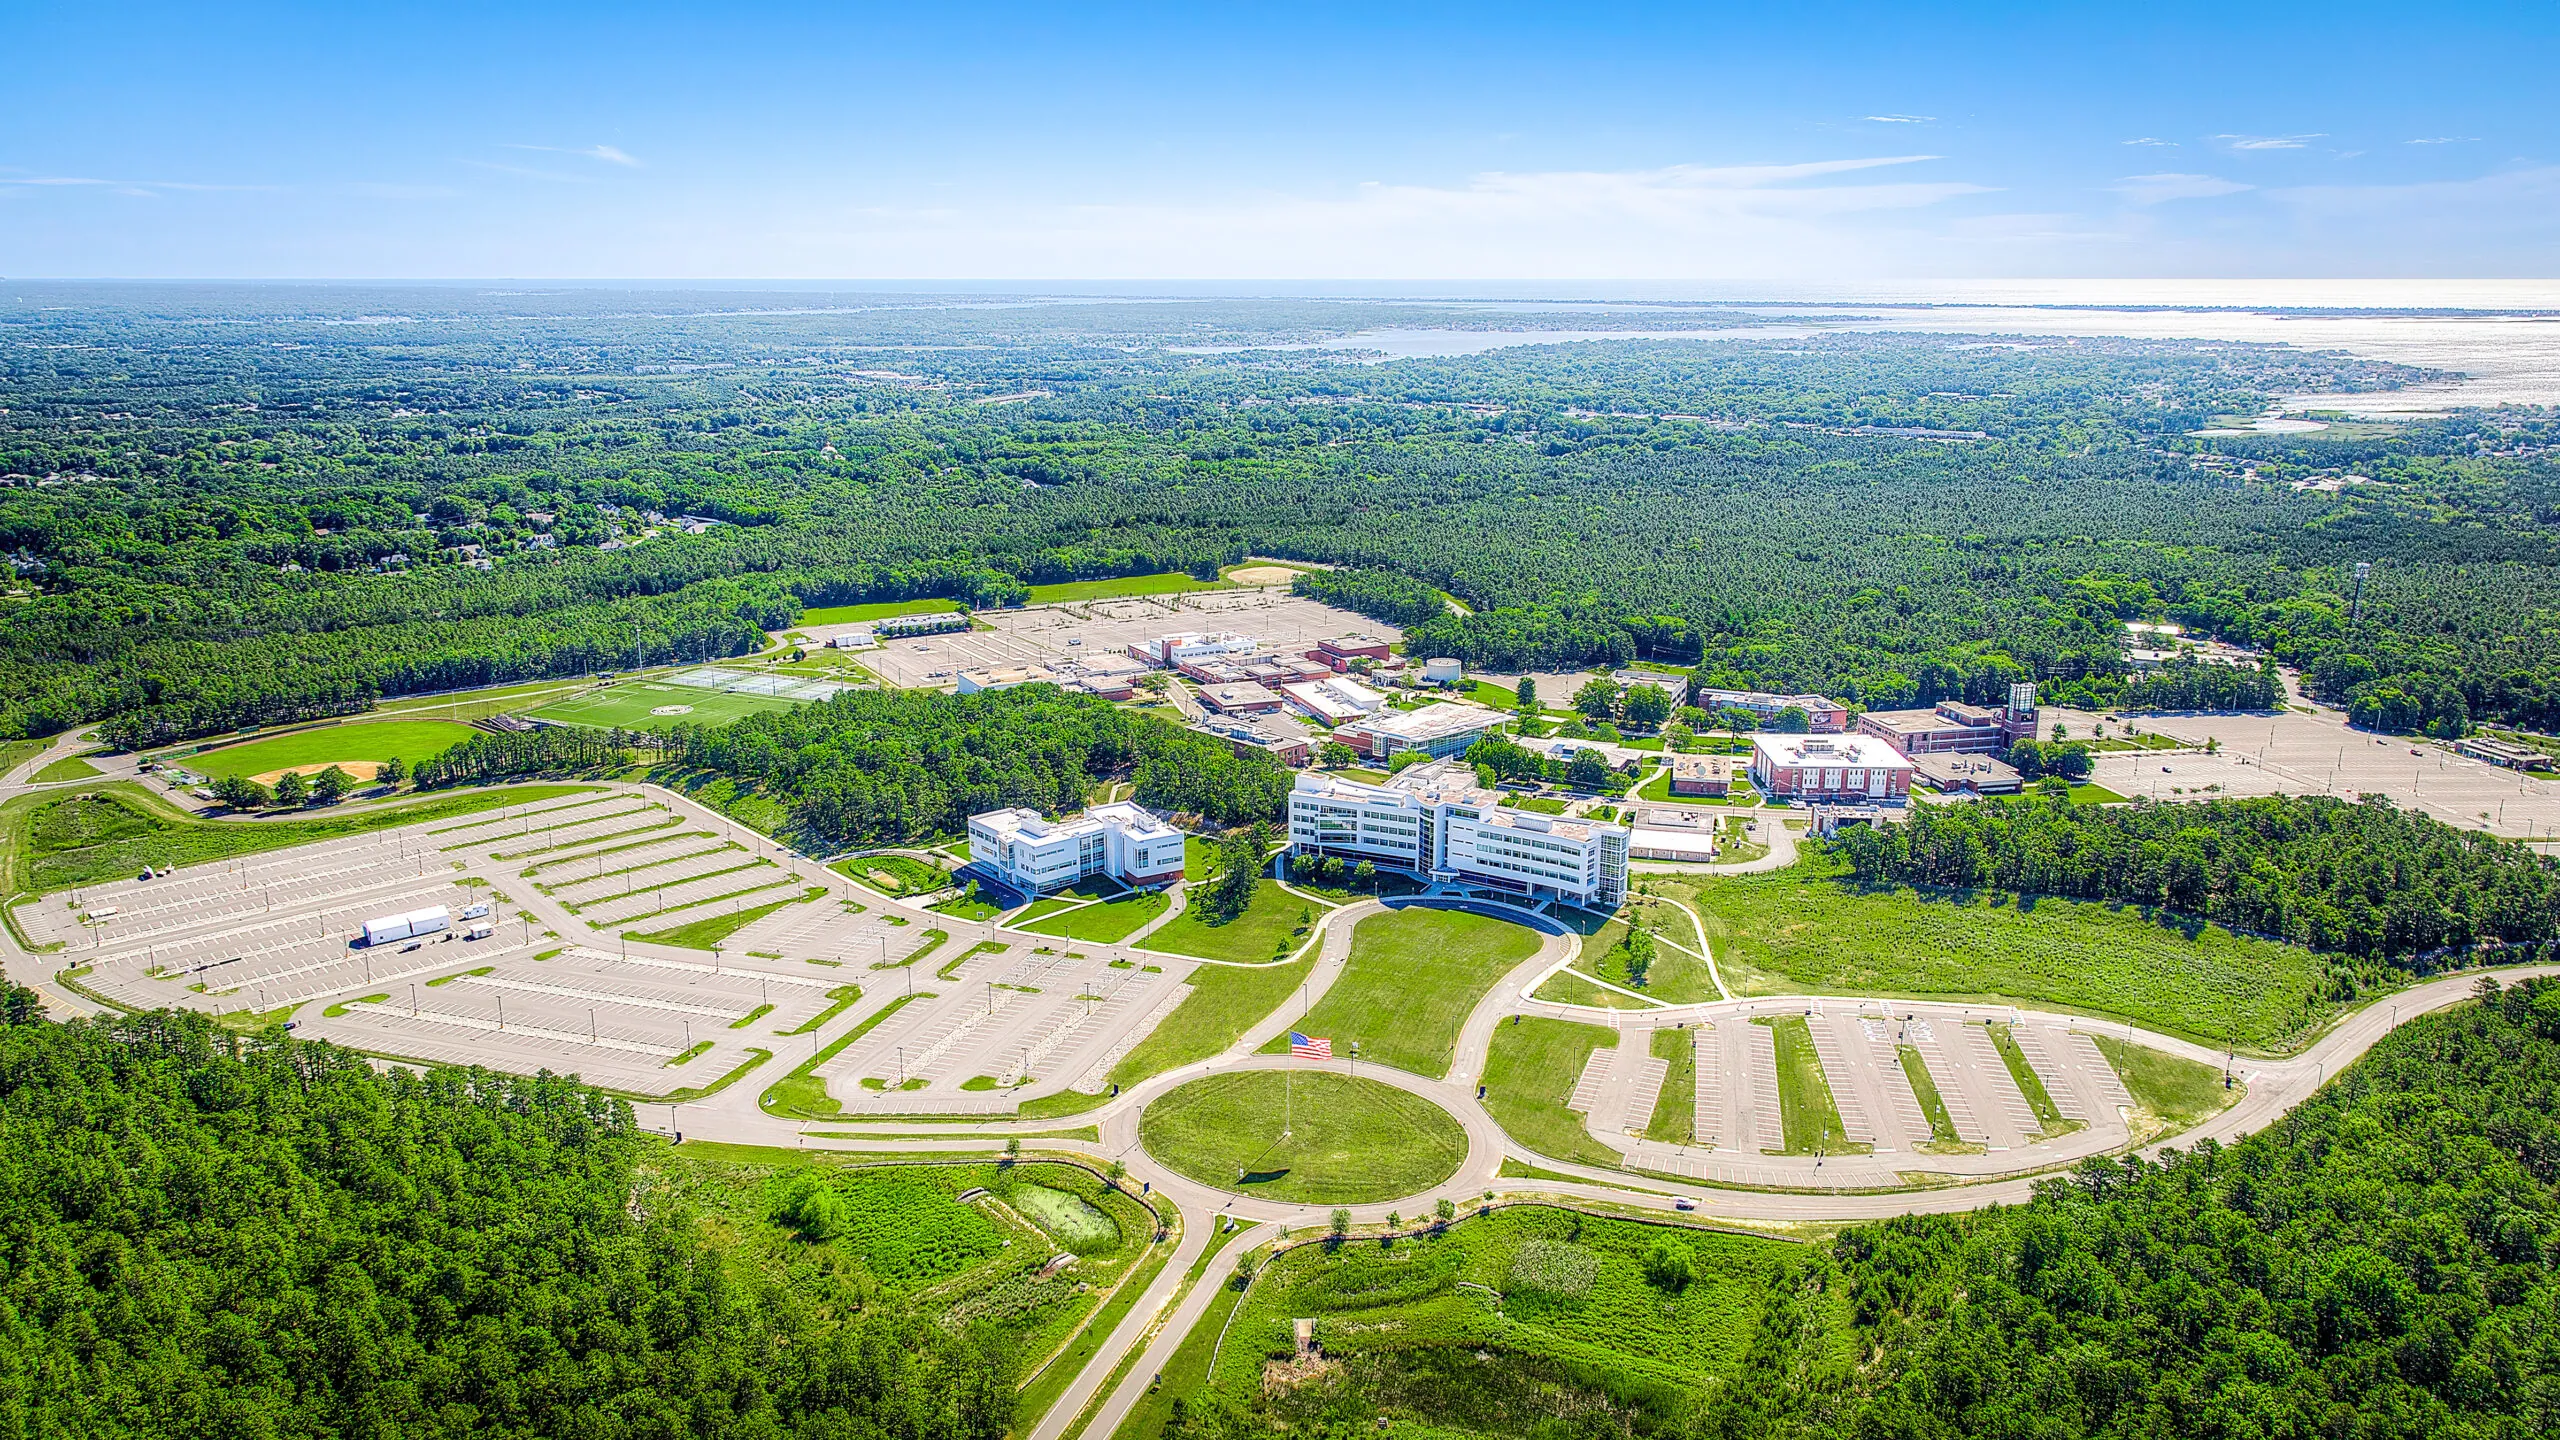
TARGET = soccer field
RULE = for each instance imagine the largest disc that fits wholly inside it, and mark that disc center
(637, 705)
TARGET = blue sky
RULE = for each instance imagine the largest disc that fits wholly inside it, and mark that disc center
(1312, 141)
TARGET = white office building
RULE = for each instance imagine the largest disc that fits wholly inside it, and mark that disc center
(1037, 855)
(1451, 834)
(1185, 646)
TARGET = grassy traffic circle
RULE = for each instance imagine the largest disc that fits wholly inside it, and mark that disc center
(1349, 1142)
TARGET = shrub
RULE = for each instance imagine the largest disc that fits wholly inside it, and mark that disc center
(1670, 1265)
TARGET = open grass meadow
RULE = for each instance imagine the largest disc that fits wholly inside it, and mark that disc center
(1104, 922)
(1171, 582)
(841, 1235)
(1805, 928)
(69, 767)
(1412, 977)
(877, 610)
(1275, 923)
(53, 841)
(636, 705)
(1529, 1073)
(1307, 1135)
(1527, 1320)
(358, 742)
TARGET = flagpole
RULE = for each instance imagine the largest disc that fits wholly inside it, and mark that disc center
(1289, 1116)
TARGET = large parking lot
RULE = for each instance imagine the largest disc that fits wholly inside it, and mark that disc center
(1060, 634)
(567, 981)
(2317, 754)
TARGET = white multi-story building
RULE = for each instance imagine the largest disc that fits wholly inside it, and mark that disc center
(1188, 645)
(1449, 833)
(1333, 701)
(1037, 855)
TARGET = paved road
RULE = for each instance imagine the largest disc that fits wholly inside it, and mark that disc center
(2273, 1087)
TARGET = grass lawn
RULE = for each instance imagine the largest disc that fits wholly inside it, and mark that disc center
(1349, 1140)
(1675, 1113)
(52, 842)
(633, 705)
(2177, 1091)
(877, 610)
(707, 932)
(1271, 926)
(1943, 1139)
(1529, 1072)
(1536, 804)
(966, 907)
(69, 767)
(1484, 693)
(1412, 977)
(1676, 977)
(1049, 905)
(1105, 922)
(1806, 929)
(2091, 793)
(368, 742)
(1225, 1001)
(1539, 1314)
(1807, 1116)
(1171, 582)
(14, 753)
(1572, 987)
(802, 1094)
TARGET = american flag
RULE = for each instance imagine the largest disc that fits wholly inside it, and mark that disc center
(1309, 1047)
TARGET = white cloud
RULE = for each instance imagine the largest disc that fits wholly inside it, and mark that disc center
(123, 187)
(2271, 142)
(2157, 189)
(2444, 140)
(2153, 140)
(1680, 220)
(609, 154)
(1903, 119)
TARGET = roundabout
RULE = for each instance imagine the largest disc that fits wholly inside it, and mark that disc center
(1312, 1137)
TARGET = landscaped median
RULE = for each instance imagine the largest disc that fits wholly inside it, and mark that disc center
(802, 1095)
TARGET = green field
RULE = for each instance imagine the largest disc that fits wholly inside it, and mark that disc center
(1171, 582)
(1347, 1140)
(52, 842)
(1943, 1138)
(1675, 1110)
(1529, 1073)
(629, 705)
(838, 1234)
(1572, 987)
(1808, 1118)
(1275, 923)
(899, 875)
(366, 742)
(69, 767)
(1105, 922)
(1412, 977)
(877, 610)
(1804, 929)
(1525, 1321)
(2177, 1091)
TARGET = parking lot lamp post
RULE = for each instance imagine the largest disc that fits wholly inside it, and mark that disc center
(502, 1014)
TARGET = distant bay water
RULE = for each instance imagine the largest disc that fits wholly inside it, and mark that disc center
(2503, 335)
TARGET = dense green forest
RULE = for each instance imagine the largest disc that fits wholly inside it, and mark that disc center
(203, 1234)
(2367, 879)
(233, 505)
(2380, 1263)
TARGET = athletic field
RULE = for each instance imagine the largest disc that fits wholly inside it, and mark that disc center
(655, 705)
(356, 747)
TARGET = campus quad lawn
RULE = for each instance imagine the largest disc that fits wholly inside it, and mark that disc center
(1808, 928)
(1412, 977)
(367, 741)
(1348, 1140)
(881, 610)
(1529, 1074)
(1268, 927)
(1557, 1302)
(628, 704)
(1171, 582)
(1105, 922)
